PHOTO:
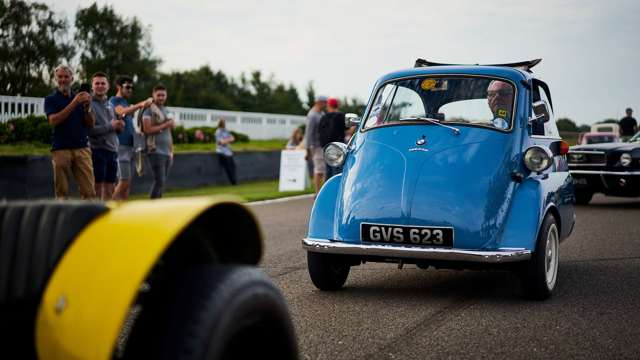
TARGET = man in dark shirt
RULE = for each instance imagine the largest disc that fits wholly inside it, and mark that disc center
(71, 118)
(332, 129)
(628, 125)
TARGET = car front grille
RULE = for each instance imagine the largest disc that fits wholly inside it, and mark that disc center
(587, 158)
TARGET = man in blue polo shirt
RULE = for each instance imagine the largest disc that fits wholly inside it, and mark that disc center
(71, 118)
(124, 90)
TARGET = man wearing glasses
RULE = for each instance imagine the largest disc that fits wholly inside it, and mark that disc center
(500, 99)
(124, 90)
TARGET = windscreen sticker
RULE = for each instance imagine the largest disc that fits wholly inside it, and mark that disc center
(502, 113)
(428, 84)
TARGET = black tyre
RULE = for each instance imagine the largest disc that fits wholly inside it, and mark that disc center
(328, 272)
(540, 273)
(583, 197)
(215, 312)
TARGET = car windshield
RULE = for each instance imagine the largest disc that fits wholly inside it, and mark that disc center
(601, 139)
(461, 100)
(635, 138)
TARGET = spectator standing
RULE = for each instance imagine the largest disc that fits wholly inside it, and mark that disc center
(103, 138)
(331, 129)
(312, 141)
(157, 129)
(296, 140)
(628, 125)
(124, 91)
(71, 118)
(223, 150)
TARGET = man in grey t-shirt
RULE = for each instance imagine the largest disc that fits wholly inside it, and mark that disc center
(103, 138)
(312, 140)
(157, 129)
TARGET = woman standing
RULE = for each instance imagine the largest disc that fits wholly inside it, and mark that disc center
(225, 156)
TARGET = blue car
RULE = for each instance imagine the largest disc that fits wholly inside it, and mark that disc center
(451, 166)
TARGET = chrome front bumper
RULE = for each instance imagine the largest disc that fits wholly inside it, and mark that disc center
(415, 252)
(596, 172)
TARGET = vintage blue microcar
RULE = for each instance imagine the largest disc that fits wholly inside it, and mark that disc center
(451, 166)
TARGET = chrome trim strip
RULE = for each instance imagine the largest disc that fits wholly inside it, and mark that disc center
(586, 152)
(595, 172)
(415, 252)
(587, 164)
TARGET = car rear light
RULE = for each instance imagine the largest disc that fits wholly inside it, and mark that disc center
(538, 158)
(335, 153)
(625, 159)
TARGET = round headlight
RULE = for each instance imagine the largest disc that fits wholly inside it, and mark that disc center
(537, 158)
(625, 159)
(335, 153)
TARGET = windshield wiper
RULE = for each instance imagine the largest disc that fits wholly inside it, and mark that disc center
(456, 131)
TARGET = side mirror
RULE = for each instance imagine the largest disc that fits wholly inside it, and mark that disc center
(351, 119)
(541, 112)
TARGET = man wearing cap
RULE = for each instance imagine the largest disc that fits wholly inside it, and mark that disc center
(332, 129)
(628, 125)
(312, 140)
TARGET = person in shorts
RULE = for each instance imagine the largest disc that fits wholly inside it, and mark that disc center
(103, 138)
(312, 141)
(124, 91)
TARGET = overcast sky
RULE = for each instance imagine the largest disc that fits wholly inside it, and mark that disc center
(590, 49)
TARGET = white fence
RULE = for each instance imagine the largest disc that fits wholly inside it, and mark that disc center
(256, 125)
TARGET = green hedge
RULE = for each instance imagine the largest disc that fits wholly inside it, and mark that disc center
(28, 129)
(182, 135)
(37, 129)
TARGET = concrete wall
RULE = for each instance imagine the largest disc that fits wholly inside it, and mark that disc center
(28, 177)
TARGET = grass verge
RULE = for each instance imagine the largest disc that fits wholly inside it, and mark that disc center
(245, 192)
(38, 148)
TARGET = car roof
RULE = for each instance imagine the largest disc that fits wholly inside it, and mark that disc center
(510, 73)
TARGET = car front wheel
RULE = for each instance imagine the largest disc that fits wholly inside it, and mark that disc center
(328, 272)
(540, 273)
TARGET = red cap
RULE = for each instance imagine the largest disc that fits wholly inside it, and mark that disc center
(332, 102)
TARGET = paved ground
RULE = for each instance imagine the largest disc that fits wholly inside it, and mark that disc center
(386, 313)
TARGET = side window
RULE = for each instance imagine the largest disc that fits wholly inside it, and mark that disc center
(380, 106)
(550, 127)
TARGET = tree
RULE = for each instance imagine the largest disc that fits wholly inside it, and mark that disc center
(115, 45)
(353, 105)
(32, 44)
(566, 124)
(311, 95)
(584, 128)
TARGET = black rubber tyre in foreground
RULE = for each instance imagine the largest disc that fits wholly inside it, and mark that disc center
(540, 273)
(328, 272)
(215, 312)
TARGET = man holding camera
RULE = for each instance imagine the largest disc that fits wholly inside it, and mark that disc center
(71, 118)
(103, 138)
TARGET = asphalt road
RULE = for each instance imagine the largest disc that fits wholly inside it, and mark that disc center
(387, 313)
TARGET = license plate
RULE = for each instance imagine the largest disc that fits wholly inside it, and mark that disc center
(579, 181)
(410, 235)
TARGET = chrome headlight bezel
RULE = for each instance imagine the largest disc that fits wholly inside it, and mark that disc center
(335, 154)
(538, 158)
(626, 159)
